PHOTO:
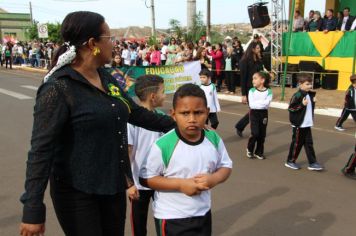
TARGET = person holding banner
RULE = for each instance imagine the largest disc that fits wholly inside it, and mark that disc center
(79, 137)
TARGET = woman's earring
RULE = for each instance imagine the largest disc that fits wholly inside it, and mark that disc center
(96, 51)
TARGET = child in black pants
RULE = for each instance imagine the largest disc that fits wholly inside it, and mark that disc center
(260, 96)
(350, 106)
(349, 169)
(301, 112)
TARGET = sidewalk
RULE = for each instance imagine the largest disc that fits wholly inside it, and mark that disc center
(329, 102)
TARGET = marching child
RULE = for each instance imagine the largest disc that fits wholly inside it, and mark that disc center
(211, 96)
(349, 106)
(150, 91)
(259, 97)
(349, 169)
(183, 165)
(301, 113)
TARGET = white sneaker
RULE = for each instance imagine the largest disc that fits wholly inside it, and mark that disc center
(249, 154)
(260, 157)
(339, 128)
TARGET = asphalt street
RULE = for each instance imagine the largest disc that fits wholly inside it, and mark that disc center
(262, 197)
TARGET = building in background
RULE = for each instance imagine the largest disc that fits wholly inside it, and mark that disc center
(13, 26)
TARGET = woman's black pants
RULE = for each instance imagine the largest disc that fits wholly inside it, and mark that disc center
(80, 213)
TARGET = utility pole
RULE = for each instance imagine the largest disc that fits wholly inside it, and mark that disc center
(153, 18)
(31, 13)
(208, 20)
(191, 13)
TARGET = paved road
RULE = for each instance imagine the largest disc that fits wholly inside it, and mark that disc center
(262, 197)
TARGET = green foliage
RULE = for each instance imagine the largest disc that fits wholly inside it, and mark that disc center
(152, 41)
(198, 29)
(176, 28)
(54, 32)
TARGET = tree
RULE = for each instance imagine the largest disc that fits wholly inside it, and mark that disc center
(175, 27)
(198, 29)
(54, 32)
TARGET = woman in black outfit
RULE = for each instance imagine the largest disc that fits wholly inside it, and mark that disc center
(250, 63)
(79, 137)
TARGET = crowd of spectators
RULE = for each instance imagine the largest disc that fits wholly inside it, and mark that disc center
(221, 58)
(315, 22)
(34, 54)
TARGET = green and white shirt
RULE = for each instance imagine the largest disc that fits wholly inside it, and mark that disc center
(259, 99)
(211, 97)
(174, 157)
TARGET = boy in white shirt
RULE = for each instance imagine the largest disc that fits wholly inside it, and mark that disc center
(150, 91)
(183, 165)
(211, 96)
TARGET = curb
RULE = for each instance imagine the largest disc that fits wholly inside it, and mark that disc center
(333, 112)
(31, 69)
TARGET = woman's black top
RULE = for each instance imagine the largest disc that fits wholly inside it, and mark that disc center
(80, 137)
(247, 68)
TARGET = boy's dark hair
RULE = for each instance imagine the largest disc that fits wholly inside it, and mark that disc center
(266, 76)
(205, 72)
(146, 84)
(304, 77)
(189, 90)
(353, 78)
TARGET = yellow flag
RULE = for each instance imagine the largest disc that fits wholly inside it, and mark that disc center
(325, 42)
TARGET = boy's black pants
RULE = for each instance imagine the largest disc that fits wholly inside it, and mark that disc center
(344, 115)
(193, 226)
(301, 137)
(351, 163)
(139, 211)
(213, 118)
(258, 122)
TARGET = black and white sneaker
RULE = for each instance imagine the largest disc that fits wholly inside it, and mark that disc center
(249, 154)
(339, 128)
(260, 157)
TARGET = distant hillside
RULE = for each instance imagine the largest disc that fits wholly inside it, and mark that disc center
(224, 29)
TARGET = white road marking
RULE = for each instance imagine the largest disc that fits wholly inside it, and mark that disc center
(14, 94)
(30, 87)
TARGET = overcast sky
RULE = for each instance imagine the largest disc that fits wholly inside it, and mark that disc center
(122, 13)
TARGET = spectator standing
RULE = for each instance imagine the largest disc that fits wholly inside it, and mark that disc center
(346, 22)
(298, 24)
(309, 19)
(218, 57)
(353, 26)
(155, 56)
(316, 24)
(133, 55)
(330, 22)
(164, 51)
(172, 50)
(230, 67)
(126, 55)
(8, 56)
